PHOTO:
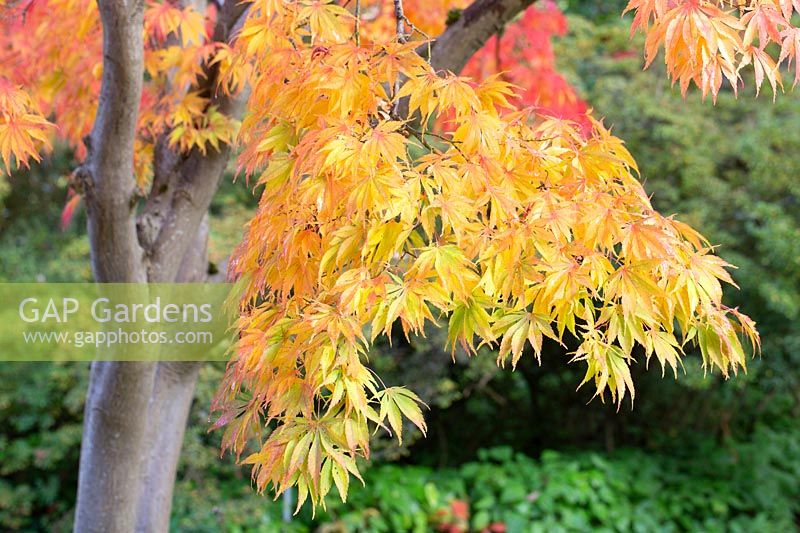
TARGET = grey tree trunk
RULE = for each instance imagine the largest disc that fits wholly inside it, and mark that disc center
(170, 403)
(136, 413)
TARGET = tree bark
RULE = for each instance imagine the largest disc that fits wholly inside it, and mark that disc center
(173, 391)
(139, 422)
(476, 24)
(109, 183)
(113, 437)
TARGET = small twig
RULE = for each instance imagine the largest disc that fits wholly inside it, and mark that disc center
(358, 23)
(416, 29)
(425, 143)
(400, 18)
(421, 136)
(401, 37)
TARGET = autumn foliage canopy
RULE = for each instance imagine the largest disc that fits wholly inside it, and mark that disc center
(394, 196)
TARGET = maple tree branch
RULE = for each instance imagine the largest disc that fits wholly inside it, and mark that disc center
(421, 136)
(476, 24)
(231, 15)
(414, 28)
(400, 19)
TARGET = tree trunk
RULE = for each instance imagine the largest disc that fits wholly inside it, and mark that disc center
(173, 391)
(119, 392)
(168, 412)
(111, 447)
(134, 424)
(136, 412)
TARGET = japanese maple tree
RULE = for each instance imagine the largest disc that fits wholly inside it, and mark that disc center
(394, 193)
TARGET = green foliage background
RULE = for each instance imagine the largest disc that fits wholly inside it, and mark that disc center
(696, 453)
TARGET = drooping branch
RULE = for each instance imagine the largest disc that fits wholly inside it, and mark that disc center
(476, 24)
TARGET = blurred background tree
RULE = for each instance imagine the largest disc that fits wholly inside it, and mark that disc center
(696, 453)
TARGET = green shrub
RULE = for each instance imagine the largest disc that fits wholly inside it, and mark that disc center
(741, 487)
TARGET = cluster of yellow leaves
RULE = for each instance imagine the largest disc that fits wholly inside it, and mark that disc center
(23, 129)
(509, 227)
(196, 124)
(62, 76)
(707, 41)
(162, 20)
